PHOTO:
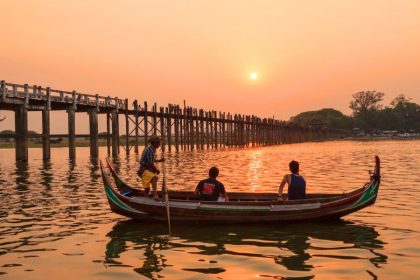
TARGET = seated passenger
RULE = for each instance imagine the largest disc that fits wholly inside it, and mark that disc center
(211, 189)
(296, 183)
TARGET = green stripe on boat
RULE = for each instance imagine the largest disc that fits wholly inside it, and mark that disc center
(116, 200)
(119, 181)
(368, 195)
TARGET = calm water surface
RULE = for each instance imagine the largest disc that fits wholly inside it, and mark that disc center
(55, 222)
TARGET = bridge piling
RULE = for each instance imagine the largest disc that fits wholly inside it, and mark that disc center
(115, 133)
(127, 129)
(162, 128)
(46, 150)
(93, 132)
(146, 124)
(176, 128)
(71, 115)
(108, 133)
(136, 123)
(21, 133)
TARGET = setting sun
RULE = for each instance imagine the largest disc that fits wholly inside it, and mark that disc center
(253, 76)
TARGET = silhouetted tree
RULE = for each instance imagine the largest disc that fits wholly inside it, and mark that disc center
(408, 113)
(325, 117)
(387, 119)
(364, 106)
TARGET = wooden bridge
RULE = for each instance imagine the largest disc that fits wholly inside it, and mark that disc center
(181, 128)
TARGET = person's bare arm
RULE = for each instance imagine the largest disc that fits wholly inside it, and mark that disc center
(282, 184)
(225, 196)
(197, 189)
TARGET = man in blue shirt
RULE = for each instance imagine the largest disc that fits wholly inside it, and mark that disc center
(148, 171)
(296, 183)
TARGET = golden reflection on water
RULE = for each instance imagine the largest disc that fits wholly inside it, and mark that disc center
(54, 217)
(254, 169)
(265, 250)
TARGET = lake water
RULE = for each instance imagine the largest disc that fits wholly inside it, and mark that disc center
(55, 221)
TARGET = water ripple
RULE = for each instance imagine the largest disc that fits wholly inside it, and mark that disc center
(53, 211)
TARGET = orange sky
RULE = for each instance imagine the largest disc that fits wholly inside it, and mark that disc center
(308, 54)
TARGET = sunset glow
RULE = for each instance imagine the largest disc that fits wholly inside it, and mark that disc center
(234, 139)
(168, 52)
(253, 76)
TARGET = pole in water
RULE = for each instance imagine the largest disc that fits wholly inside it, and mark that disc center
(165, 187)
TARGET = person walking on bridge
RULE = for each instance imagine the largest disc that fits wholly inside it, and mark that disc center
(148, 171)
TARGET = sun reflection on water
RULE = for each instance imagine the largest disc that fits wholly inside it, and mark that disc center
(254, 169)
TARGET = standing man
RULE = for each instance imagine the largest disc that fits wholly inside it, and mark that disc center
(296, 183)
(148, 171)
(211, 189)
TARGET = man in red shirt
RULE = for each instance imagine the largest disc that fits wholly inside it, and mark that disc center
(211, 189)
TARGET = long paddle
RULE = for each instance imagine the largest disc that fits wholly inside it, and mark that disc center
(165, 187)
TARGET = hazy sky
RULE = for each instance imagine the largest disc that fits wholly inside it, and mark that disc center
(308, 55)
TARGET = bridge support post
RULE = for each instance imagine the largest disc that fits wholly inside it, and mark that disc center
(146, 125)
(108, 133)
(127, 129)
(21, 133)
(46, 148)
(176, 128)
(115, 133)
(71, 114)
(136, 123)
(93, 131)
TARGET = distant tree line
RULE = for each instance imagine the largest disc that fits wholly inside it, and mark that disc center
(368, 114)
(30, 132)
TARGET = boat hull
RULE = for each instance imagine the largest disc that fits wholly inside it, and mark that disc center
(184, 207)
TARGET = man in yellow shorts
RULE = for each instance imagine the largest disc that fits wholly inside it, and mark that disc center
(148, 171)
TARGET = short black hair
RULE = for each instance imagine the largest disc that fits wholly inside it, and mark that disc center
(214, 172)
(154, 140)
(294, 166)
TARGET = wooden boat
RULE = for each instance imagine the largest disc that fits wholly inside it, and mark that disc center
(243, 207)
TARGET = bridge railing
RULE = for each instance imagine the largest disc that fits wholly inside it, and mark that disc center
(34, 92)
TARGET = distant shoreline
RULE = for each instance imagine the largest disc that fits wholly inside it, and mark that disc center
(8, 145)
(84, 143)
(381, 138)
